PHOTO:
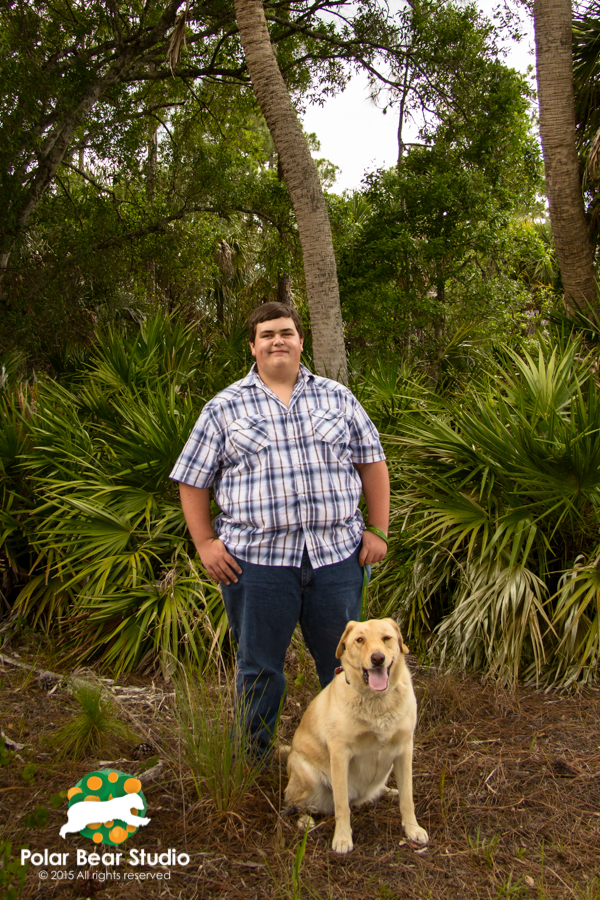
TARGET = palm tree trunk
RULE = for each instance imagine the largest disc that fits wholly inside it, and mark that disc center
(554, 64)
(302, 179)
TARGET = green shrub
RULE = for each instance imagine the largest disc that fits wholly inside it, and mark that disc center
(94, 728)
(12, 873)
(496, 497)
(91, 523)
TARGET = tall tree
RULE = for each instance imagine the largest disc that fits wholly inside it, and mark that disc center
(302, 179)
(72, 79)
(554, 65)
(438, 245)
(69, 70)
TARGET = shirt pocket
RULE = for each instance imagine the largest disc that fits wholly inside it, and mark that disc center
(330, 425)
(249, 434)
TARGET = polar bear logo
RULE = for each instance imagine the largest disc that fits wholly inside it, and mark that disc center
(116, 812)
(80, 815)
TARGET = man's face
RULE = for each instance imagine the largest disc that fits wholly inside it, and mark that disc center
(277, 347)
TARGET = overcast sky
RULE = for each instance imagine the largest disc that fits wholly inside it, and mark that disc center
(356, 136)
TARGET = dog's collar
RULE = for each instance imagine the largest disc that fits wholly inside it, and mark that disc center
(341, 669)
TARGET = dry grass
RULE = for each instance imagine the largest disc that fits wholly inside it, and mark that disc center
(506, 784)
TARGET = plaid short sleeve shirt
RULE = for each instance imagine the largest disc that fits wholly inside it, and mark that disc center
(283, 476)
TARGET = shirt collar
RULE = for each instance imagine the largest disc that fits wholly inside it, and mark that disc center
(253, 378)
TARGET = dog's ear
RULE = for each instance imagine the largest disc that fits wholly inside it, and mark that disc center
(396, 628)
(342, 644)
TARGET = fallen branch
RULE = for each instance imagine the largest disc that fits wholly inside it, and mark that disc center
(45, 678)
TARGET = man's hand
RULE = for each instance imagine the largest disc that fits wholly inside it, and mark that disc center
(373, 549)
(376, 488)
(220, 565)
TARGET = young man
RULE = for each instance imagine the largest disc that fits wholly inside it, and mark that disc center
(287, 454)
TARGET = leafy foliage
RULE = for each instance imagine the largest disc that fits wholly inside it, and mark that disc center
(129, 186)
(123, 169)
(12, 873)
(495, 503)
(444, 240)
(586, 78)
(92, 522)
(496, 491)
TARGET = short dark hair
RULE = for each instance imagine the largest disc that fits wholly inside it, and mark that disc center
(272, 310)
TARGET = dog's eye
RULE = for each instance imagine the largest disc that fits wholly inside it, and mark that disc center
(387, 637)
(360, 640)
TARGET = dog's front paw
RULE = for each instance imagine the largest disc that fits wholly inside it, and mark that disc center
(342, 842)
(416, 833)
(143, 821)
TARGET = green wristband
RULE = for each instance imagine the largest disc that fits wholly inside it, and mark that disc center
(375, 530)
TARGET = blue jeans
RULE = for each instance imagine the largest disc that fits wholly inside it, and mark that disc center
(263, 609)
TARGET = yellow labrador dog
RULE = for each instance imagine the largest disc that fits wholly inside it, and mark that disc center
(356, 730)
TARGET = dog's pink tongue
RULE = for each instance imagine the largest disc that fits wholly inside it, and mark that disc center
(378, 679)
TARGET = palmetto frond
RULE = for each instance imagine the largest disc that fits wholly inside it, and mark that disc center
(498, 621)
(173, 618)
(499, 490)
(160, 348)
(108, 546)
(577, 622)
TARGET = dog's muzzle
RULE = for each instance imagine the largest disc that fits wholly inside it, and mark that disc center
(377, 678)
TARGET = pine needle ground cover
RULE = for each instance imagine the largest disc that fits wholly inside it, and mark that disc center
(507, 785)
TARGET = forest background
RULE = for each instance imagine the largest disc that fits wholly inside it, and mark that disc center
(146, 212)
